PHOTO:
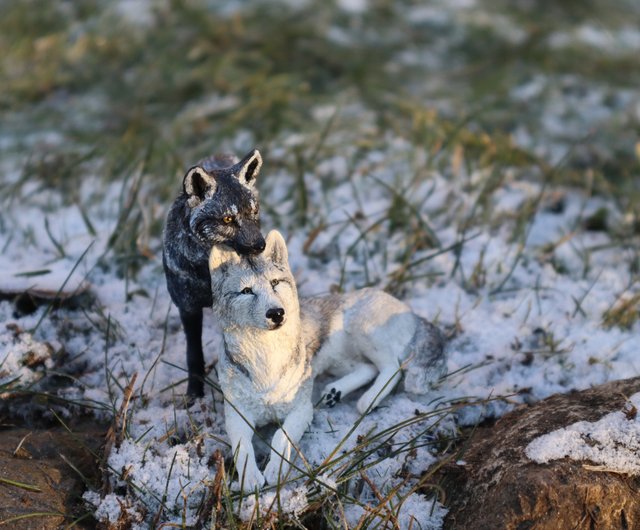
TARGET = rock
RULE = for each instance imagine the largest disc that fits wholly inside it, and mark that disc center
(42, 460)
(497, 486)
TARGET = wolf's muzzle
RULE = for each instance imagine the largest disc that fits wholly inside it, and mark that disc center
(247, 250)
(276, 315)
(248, 246)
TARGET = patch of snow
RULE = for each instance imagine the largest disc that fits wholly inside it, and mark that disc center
(415, 511)
(612, 442)
(50, 280)
(138, 12)
(624, 40)
(23, 359)
(353, 6)
(288, 501)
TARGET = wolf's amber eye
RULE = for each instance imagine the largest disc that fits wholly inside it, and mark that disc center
(247, 290)
(227, 219)
(274, 283)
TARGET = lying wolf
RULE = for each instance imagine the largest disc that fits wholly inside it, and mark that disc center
(274, 347)
(218, 205)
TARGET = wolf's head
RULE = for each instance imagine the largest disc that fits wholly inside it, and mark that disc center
(223, 205)
(254, 291)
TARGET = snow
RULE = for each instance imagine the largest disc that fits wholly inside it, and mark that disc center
(415, 511)
(519, 332)
(613, 442)
(522, 338)
(56, 280)
(353, 6)
(624, 41)
(23, 359)
(137, 12)
(288, 501)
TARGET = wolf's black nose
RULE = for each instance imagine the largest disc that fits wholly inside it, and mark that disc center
(276, 314)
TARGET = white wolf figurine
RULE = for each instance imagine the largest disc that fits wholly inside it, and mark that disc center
(274, 347)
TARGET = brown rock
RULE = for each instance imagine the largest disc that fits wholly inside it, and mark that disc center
(498, 487)
(36, 459)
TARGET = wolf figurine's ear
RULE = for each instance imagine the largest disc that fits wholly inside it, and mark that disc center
(221, 255)
(248, 168)
(276, 248)
(198, 185)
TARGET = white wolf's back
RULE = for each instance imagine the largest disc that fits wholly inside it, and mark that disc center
(369, 325)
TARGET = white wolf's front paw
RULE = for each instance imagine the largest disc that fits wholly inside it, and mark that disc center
(276, 467)
(249, 480)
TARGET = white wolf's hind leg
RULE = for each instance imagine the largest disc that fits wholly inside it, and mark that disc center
(335, 391)
(387, 379)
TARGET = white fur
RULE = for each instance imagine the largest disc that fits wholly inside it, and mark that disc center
(266, 373)
(369, 337)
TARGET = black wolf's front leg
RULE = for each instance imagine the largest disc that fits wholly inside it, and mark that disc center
(192, 324)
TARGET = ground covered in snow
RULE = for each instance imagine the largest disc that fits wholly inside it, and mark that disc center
(483, 168)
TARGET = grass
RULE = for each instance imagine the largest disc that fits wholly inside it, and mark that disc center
(329, 487)
(90, 96)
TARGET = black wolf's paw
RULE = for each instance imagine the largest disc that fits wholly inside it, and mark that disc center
(332, 397)
(194, 393)
(189, 401)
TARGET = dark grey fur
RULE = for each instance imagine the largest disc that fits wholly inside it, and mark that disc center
(213, 189)
(429, 361)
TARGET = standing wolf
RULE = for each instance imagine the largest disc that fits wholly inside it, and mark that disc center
(275, 344)
(218, 205)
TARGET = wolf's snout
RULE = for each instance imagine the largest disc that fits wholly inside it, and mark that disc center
(250, 248)
(276, 315)
(260, 246)
(248, 241)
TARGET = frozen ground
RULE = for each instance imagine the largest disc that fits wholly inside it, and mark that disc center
(533, 277)
(526, 318)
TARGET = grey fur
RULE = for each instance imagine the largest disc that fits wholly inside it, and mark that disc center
(426, 351)
(316, 315)
(427, 355)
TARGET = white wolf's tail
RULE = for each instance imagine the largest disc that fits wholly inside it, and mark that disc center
(426, 362)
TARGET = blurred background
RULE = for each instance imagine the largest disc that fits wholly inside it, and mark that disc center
(95, 87)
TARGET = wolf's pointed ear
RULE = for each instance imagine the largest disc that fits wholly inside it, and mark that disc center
(276, 248)
(221, 255)
(198, 185)
(248, 168)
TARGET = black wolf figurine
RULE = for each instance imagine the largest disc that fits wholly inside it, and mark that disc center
(218, 205)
